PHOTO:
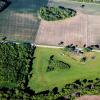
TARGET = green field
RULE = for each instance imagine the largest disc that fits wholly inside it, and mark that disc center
(42, 80)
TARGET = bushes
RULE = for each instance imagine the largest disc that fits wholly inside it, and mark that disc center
(4, 4)
(69, 91)
(83, 59)
(56, 64)
(56, 13)
(83, 87)
(70, 48)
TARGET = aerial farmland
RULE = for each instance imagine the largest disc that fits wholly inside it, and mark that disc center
(49, 49)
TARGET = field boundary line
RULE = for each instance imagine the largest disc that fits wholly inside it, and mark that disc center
(55, 47)
(47, 46)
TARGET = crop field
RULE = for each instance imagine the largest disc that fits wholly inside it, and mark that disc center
(43, 80)
(19, 21)
(81, 29)
(90, 8)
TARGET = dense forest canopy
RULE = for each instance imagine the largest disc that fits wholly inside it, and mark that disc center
(56, 13)
(14, 64)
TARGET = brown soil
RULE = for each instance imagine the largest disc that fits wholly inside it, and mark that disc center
(88, 97)
(81, 29)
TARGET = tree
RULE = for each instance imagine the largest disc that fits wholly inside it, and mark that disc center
(4, 38)
(83, 59)
(55, 90)
(82, 6)
(61, 43)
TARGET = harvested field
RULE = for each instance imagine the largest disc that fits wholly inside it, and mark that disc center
(19, 21)
(81, 29)
(18, 27)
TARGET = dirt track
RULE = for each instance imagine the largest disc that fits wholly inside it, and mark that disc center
(87, 97)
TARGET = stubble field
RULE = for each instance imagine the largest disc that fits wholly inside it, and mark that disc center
(19, 22)
(79, 30)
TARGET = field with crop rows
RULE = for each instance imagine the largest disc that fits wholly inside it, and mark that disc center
(19, 21)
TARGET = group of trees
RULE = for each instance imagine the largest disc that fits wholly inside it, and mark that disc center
(73, 49)
(70, 48)
(56, 13)
(80, 51)
(94, 47)
(15, 64)
(68, 92)
(4, 4)
(56, 64)
(73, 90)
